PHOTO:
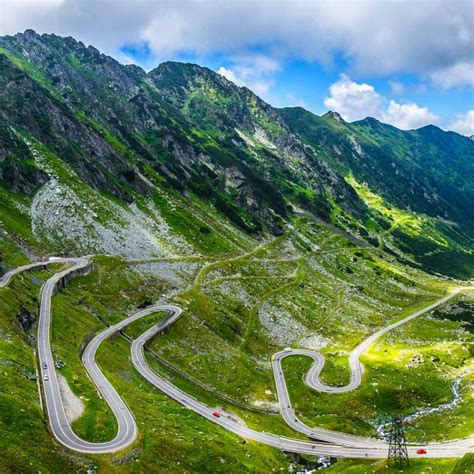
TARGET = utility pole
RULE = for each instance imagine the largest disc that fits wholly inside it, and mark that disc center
(397, 451)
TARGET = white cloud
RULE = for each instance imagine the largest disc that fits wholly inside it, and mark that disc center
(373, 36)
(356, 101)
(106, 24)
(352, 100)
(18, 14)
(408, 116)
(464, 123)
(254, 71)
(457, 75)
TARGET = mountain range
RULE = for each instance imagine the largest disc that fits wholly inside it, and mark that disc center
(124, 133)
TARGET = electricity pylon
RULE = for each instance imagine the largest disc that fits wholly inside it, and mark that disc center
(397, 451)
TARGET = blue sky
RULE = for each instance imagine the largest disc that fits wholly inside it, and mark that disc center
(297, 82)
(406, 62)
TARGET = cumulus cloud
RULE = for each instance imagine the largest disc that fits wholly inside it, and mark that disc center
(374, 36)
(356, 101)
(408, 116)
(16, 15)
(457, 75)
(464, 123)
(106, 24)
(352, 100)
(230, 74)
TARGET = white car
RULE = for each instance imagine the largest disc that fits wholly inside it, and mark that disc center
(46, 377)
(287, 349)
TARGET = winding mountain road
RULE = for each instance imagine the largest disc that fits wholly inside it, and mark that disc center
(58, 421)
(334, 443)
(341, 444)
(312, 379)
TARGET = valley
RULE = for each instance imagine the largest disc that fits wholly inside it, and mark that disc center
(247, 237)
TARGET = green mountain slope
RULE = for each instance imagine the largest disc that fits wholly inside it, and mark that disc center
(424, 178)
(185, 129)
(116, 124)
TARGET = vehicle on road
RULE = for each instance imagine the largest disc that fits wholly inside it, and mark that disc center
(46, 377)
(45, 365)
(421, 451)
(216, 414)
(287, 349)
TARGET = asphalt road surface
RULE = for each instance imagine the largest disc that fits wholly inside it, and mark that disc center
(330, 443)
(338, 444)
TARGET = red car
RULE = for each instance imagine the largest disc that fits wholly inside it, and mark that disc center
(421, 451)
(216, 414)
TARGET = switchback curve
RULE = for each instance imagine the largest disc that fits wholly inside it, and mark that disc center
(340, 444)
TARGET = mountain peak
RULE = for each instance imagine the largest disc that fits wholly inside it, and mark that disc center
(370, 121)
(176, 76)
(29, 33)
(430, 128)
(182, 69)
(333, 115)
